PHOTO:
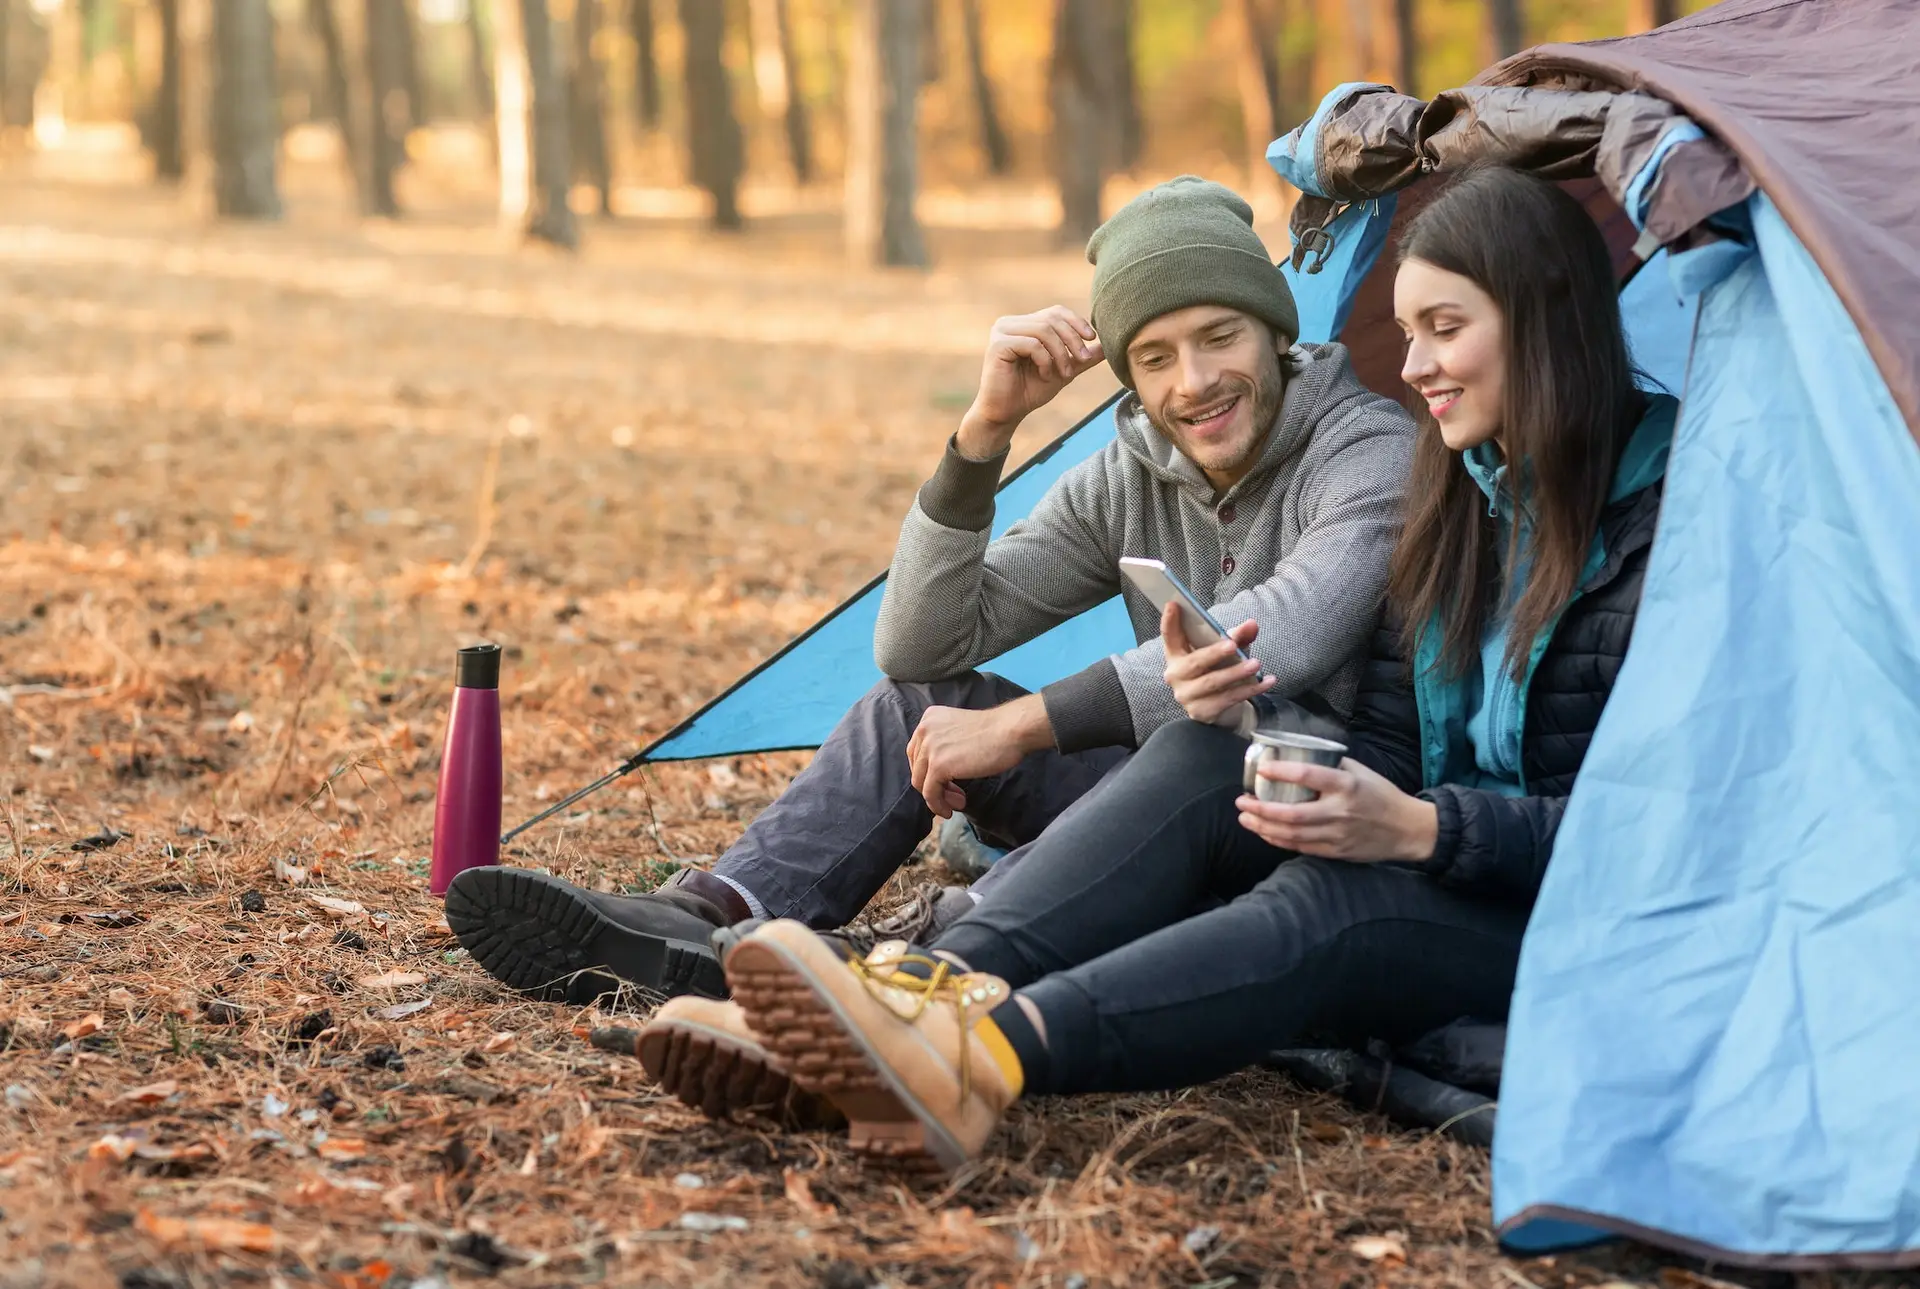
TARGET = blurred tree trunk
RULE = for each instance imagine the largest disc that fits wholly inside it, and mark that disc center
(1087, 115)
(1406, 38)
(932, 53)
(552, 219)
(1645, 15)
(245, 119)
(512, 115)
(339, 91)
(1509, 27)
(883, 91)
(6, 54)
(714, 143)
(993, 137)
(1259, 68)
(163, 134)
(776, 79)
(589, 106)
(646, 70)
(407, 41)
(387, 98)
(1130, 130)
(479, 64)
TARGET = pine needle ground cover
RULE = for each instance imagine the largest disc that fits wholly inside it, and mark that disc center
(256, 484)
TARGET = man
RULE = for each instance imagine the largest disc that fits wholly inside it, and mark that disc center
(1263, 474)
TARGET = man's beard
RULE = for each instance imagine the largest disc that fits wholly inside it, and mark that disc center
(1263, 396)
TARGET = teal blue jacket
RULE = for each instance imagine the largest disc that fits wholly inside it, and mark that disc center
(1471, 725)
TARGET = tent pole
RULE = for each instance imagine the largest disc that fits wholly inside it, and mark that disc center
(620, 771)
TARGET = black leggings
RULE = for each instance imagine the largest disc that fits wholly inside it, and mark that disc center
(1115, 928)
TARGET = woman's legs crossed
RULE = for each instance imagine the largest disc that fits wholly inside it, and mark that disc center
(1361, 950)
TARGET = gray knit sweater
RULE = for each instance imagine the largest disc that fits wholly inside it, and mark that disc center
(1301, 545)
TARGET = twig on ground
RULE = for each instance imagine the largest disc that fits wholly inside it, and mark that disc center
(293, 722)
(488, 507)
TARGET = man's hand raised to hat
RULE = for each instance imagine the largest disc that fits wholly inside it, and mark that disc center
(1030, 358)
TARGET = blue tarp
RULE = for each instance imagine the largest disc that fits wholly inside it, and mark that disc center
(1714, 1038)
(795, 698)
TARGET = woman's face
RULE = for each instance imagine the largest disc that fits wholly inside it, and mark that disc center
(1456, 351)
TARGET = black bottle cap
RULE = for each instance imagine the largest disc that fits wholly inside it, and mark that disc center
(478, 667)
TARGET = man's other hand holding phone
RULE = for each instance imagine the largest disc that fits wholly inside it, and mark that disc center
(1213, 681)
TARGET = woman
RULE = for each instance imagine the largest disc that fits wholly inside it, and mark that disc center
(1180, 929)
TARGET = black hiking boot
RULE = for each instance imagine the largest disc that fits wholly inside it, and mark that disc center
(558, 942)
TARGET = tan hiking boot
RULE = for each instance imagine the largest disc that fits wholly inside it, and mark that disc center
(904, 1059)
(704, 1053)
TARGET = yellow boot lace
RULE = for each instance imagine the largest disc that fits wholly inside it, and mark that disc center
(944, 983)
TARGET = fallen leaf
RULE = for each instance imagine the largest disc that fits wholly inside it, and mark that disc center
(48, 930)
(188, 1154)
(1321, 1131)
(612, 1038)
(213, 1233)
(1380, 1248)
(499, 1042)
(373, 1275)
(285, 870)
(341, 1148)
(112, 920)
(102, 840)
(113, 1146)
(711, 1223)
(121, 997)
(339, 908)
(11, 916)
(392, 980)
(150, 1094)
(439, 927)
(1200, 1239)
(401, 1010)
(88, 1024)
(800, 1195)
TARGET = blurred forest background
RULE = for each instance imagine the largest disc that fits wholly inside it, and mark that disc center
(565, 108)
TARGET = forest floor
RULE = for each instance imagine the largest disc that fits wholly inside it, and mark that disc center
(245, 519)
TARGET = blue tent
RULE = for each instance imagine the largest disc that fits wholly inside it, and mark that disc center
(1714, 1042)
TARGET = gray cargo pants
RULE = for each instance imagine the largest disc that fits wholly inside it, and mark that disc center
(850, 819)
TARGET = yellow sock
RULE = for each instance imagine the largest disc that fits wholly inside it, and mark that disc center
(1005, 1059)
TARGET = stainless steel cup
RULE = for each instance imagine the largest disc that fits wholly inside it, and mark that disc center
(1287, 747)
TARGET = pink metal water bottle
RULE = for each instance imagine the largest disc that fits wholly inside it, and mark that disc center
(466, 812)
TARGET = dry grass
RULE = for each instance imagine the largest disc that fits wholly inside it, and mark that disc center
(244, 523)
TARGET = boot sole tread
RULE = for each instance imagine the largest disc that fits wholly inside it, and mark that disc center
(541, 937)
(718, 1077)
(802, 1028)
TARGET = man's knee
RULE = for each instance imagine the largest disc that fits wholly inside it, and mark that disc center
(911, 698)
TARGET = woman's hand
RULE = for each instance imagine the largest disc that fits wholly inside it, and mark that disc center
(1211, 682)
(1359, 816)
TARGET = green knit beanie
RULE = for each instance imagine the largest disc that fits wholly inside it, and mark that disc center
(1185, 242)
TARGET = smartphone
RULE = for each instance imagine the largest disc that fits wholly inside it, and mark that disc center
(1151, 578)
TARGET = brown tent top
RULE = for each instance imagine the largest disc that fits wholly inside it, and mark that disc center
(1816, 101)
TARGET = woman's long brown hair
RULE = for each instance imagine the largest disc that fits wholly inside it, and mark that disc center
(1570, 407)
